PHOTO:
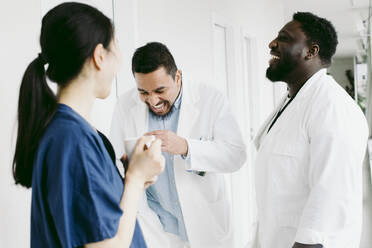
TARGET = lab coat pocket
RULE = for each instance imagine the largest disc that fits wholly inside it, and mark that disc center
(219, 213)
(287, 169)
(290, 148)
(212, 222)
(287, 223)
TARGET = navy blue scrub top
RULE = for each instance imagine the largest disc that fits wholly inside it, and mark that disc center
(76, 187)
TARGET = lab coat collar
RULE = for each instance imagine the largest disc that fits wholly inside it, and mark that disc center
(262, 131)
(139, 113)
(189, 112)
(178, 101)
(309, 83)
(301, 93)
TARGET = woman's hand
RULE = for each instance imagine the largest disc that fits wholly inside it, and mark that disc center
(145, 165)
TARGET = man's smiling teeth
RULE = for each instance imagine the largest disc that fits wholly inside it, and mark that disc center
(158, 106)
(274, 57)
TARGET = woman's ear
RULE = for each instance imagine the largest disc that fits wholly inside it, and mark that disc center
(98, 56)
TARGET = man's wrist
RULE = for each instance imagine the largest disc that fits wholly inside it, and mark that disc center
(186, 147)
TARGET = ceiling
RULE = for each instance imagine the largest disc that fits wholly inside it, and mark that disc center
(346, 15)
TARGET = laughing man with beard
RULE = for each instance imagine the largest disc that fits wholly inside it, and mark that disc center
(188, 206)
(311, 148)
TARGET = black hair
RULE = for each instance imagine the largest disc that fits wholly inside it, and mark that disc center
(69, 34)
(319, 31)
(151, 56)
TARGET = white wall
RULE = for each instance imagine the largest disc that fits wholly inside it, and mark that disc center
(20, 28)
(17, 26)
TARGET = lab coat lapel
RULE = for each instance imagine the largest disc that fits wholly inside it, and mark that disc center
(261, 132)
(292, 108)
(139, 114)
(189, 113)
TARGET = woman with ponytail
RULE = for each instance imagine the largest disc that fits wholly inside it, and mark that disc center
(78, 195)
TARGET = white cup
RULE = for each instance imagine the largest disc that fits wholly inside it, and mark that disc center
(130, 144)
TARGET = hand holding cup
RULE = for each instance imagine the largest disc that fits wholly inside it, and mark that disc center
(145, 163)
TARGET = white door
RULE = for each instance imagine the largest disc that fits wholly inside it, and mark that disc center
(220, 58)
(251, 98)
(222, 67)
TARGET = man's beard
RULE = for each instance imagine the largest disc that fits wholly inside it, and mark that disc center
(164, 115)
(280, 70)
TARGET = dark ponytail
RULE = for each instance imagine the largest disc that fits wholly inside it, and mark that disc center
(69, 34)
(36, 106)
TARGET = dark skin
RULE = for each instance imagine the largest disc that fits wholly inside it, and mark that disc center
(292, 40)
(292, 43)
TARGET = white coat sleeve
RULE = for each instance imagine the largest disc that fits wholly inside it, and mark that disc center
(225, 152)
(337, 136)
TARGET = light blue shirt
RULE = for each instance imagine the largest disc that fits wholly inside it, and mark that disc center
(162, 196)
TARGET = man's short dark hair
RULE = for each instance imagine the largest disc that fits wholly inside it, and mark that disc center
(152, 56)
(318, 31)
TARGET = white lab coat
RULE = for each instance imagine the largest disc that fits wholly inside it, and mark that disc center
(309, 169)
(215, 145)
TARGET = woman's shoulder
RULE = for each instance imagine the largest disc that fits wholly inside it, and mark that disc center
(71, 144)
(67, 127)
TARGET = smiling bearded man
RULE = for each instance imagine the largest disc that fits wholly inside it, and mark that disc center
(311, 148)
(188, 206)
